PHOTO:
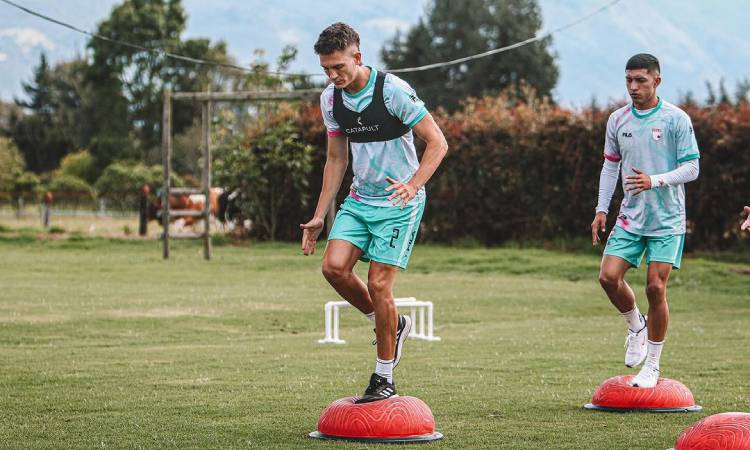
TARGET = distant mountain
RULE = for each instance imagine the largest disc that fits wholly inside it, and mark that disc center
(695, 40)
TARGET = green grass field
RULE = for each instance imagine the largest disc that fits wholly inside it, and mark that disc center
(105, 345)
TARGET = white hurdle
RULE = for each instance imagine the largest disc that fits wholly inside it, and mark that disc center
(420, 328)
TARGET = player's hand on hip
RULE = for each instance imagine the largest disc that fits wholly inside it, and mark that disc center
(637, 183)
(310, 232)
(402, 192)
(746, 224)
(599, 224)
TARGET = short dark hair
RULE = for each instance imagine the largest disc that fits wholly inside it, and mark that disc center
(643, 61)
(336, 37)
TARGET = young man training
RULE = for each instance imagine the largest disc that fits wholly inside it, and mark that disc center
(375, 113)
(654, 144)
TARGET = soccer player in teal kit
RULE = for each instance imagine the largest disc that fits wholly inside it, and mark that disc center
(653, 143)
(377, 114)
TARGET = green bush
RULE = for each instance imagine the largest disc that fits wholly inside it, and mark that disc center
(272, 171)
(121, 183)
(80, 165)
(25, 185)
(11, 166)
(56, 230)
(71, 190)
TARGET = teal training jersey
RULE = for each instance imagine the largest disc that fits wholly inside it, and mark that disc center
(372, 162)
(654, 142)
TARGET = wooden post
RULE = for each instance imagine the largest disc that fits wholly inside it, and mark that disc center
(208, 99)
(46, 208)
(19, 206)
(143, 211)
(166, 153)
(206, 147)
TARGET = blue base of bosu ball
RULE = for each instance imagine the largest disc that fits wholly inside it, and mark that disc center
(396, 440)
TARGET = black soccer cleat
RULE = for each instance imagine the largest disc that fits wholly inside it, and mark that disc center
(402, 332)
(379, 389)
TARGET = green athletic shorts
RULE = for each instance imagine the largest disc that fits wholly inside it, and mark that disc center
(630, 247)
(385, 234)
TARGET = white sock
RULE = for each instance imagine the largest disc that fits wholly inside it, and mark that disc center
(654, 353)
(634, 319)
(371, 317)
(384, 368)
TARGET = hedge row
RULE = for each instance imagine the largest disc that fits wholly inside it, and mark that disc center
(518, 171)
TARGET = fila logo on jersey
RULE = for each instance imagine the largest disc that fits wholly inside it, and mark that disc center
(627, 134)
(656, 133)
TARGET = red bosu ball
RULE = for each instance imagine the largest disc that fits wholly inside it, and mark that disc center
(393, 420)
(617, 395)
(725, 431)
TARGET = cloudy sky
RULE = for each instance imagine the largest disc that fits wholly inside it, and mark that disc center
(696, 40)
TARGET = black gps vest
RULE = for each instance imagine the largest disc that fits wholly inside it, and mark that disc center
(374, 123)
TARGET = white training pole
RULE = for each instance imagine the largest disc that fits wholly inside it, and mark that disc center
(335, 323)
(421, 320)
(429, 321)
(329, 333)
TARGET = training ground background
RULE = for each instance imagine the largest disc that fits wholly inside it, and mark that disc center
(105, 345)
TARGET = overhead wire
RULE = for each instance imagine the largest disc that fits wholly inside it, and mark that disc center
(507, 47)
(227, 65)
(158, 52)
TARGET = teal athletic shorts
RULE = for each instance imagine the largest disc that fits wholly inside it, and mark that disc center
(630, 247)
(385, 234)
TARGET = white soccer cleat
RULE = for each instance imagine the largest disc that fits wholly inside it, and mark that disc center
(646, 378)
(635, 345)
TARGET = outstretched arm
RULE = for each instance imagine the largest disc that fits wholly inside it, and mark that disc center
(746, 224)
(333, 174)
(437, 147)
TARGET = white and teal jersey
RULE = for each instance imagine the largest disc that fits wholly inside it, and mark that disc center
(372, 162)
(655, 142)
